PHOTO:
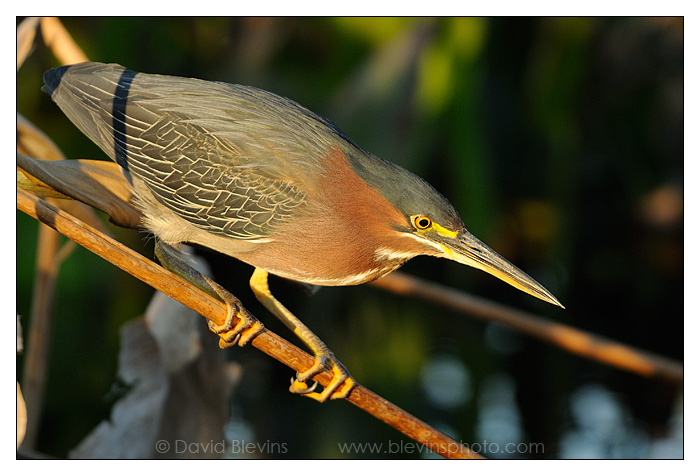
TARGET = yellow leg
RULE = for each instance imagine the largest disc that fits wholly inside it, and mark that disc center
(341, 384)
(246, 327)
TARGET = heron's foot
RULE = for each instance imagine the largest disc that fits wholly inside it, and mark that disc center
(240, 327)
(340, 385)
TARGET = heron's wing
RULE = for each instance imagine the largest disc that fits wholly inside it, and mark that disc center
(229, 159)
(182, 165)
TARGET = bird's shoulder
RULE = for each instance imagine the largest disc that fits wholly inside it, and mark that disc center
(232, 124)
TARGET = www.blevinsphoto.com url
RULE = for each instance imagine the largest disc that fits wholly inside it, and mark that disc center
(411, 447)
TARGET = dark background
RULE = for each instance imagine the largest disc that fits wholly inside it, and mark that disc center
(560, 140)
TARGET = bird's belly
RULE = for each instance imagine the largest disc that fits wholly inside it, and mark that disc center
(316, 265)
(319, 270)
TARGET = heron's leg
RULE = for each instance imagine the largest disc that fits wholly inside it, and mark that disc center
(246, 327)
(341, 384)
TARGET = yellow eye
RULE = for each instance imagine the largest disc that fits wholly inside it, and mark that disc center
(422, 222)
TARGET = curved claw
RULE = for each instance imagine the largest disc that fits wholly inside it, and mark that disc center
(245, 329)
(302, 388)
(226, 338)
(340, 385)
(243, 332)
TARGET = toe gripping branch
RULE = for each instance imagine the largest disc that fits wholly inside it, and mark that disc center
(239, 327)
(246, 327)
(341, 383)
(339, 387)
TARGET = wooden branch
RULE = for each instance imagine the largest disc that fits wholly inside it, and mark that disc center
(60, 42)
(55, 37)
(573, 340)
(36, 361)
(49, 255)
(194, 298)
(98, 184)
(26, 36)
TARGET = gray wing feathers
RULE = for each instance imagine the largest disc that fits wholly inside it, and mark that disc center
(87, 100)
(225, 158)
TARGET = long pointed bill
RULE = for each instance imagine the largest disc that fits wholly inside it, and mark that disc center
(465, 248)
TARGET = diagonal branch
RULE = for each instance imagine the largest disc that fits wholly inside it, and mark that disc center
(60, 42)
(574, 340)
(196, 299)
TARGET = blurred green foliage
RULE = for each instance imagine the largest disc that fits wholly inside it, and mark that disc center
(560, 140)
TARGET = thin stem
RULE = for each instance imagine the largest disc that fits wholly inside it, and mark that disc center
(573, 340)
(60, 42)
(39, 340)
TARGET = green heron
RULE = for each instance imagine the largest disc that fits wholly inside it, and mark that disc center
(260, 178)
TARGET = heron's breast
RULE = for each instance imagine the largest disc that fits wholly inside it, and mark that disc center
(340, 235)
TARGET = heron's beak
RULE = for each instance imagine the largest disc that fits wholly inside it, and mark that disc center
(465, 248)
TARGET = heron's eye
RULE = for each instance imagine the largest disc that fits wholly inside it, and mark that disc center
(422, 222)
